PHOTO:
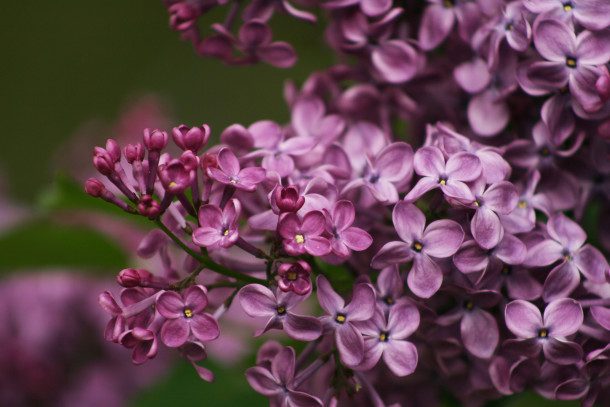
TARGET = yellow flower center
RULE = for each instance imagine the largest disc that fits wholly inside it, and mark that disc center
(384, 336)
(300, 239)
(281, 310)
(291, 276)
(543, 333)
(469, 305)
(567, 7)
(340, 318)
(571, 62)
(188, 313)
(417, 246)
(226, 232)
(173, 184)
(442, 182)
(522, 204)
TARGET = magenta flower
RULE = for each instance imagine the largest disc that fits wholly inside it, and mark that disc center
(392, 165)
(498, 199)
(387, 338)
(566, 243)
(344, 236)
(229, 172)
(295, 277)
(561, 319)
(277, 381)
(450, 177)
(191, 138)
(218, 227)
(304, 236)
(142, 341)
(186, 317)
(441, 239)
(260, 301)
(175, 176)
(286, 199)
(341, 318)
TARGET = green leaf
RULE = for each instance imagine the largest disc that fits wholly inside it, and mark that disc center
(184, 388)
(42, 243)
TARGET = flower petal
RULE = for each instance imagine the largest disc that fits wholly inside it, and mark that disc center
(442, 238)
(227, 162)
(302, 328)
(463, 167)
(362, 305)
(392, 253)
(329, 300)
(561, 281)
(592, 263)
(523, 319)
(204, 327)
(170, 305)
(174, 332)
(486, 228)
(425, 277)
(563, 317)
(257, 300)
(350, 344)
(408, 221)
(401, 357)
(479, 332)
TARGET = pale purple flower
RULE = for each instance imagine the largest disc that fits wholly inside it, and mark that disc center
(397, 61)
(277, 381)
(218, 228)
(230, 173)
(439, 18)
(390, 287)
(472, 258)
(498, 199)
(441, 239)
(260, 301)
(478, 327)
(570, 61)
(523, 217)
(295, 277)
(450, 177)
(566, 243)
(304, 236)
(391, 166)
(562, 318)
(276, 150)
(345, 237)
(186, 317)
(387, 337)
(592, 14)
(341, 318)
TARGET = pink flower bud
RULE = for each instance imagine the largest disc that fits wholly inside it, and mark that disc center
(133, 277)
(155, 140)
(149, 207)
(287, 199)
(94, 187)
(191, 138)
(134, 152)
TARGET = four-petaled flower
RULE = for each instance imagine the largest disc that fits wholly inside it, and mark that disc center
(218, 227)
(304, 236)
(344, 236)
(230, 173)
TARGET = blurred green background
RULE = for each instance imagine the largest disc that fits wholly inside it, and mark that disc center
(65, 63)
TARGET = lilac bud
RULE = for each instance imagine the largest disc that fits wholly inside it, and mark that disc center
(112, 147)
(191, 138)
(134, 152)
(133, 277)
(94, 187)
(287, 199)
(182, 16)
(155, 140)
(103, 161)
(149, 207)
(208, 161)
(190, 160)
(295, 277)
(175, 176)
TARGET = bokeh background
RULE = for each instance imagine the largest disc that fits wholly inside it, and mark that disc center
(70, 72)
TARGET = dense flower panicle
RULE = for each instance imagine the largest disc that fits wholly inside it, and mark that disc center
(454, 253)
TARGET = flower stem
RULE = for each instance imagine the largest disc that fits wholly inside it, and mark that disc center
(206, 261)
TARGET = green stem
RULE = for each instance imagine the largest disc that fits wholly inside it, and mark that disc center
(206, 261)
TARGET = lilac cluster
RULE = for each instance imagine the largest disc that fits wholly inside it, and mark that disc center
(469, 269)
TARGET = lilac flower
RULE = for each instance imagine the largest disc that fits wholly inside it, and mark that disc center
(304, 236)
(230, 173)
(175, 176)
(276, 150)
(218, 227)
(441, 239)
(498, 199)
(344, 236)
(371, 8)
(341, 318)
(142, 341)
(450, 177)
(286, 199)
(260, 301)
(570, 61)
(472, 258)
(478, 327)
(591, 14)
(391, 166)
(390, 287)
(278, 381)
(295, 277)
(387, 337)
(562, 318)
(185, 317)
(523, 217)
(440, 17)
(397, 61)
(566, 243)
